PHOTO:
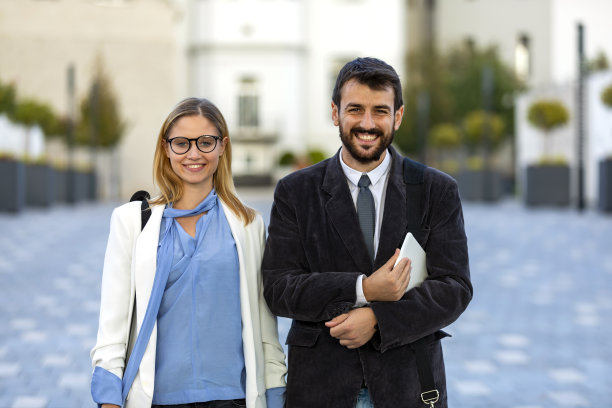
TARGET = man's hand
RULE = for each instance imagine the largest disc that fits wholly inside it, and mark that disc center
(388, 284)
(355, 328)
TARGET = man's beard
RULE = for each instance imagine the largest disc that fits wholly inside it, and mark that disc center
(371, 155)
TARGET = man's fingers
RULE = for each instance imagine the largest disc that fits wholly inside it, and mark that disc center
(337, 320)
(392, 260)
(405, 277)
(337, 332)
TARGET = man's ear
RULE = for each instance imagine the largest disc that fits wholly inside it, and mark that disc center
(335, 114)
(399, 114)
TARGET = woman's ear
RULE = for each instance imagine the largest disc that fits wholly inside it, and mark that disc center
(222, 145)
(166, 147)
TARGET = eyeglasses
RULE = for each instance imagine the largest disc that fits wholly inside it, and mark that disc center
(204, 143)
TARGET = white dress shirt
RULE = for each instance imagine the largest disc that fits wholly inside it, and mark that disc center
(378, 187)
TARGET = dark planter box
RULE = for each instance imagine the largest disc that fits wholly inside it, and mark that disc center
(253, 180)
(77, 187)
(12, 185)
(480, 185)
(40, 185)
(547, 185)
(92, 186)
(61, 186)
(605, 185)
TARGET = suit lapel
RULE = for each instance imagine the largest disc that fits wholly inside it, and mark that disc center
(393, 228)
(342, 214)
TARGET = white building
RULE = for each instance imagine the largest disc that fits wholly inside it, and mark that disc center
(537, 37)
(270, 66)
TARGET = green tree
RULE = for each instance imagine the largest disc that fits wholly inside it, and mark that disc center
(101, 124)
(453, 82)
(31, 112)
(476, 128)
(547, 115)
(606, 96)
(8, 99)
(599, 63)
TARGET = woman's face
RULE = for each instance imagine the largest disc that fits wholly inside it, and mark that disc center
(194, 167)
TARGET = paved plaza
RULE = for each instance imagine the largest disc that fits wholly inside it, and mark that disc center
(536, 335)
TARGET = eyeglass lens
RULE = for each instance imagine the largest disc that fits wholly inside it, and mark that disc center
(181, 145)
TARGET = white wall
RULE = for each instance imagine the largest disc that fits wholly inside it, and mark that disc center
(136, 40)
(595, 15)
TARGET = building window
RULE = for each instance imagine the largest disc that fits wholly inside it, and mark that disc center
(335, 67)
(248, 103)
(522, 58)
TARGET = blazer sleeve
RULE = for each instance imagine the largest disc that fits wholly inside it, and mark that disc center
(445, 294)
(274, 355)
(291, 289)
(116, 294)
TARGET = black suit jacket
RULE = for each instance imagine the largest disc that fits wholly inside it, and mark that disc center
(314, 254)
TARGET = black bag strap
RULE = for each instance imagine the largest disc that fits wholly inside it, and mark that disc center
(413, 177)
(145, 214)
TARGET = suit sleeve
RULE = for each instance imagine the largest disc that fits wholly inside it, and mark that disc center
(446, 292)
(291, 289)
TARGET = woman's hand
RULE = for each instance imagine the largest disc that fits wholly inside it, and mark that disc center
(110, 406)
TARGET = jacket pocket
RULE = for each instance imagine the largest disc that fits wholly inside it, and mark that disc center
(302, 336)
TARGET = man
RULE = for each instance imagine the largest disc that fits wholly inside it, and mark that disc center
(357, 337)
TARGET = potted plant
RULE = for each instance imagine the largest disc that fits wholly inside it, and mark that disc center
(548, 181)
(445, 139)
(483, 133)
(12, 171)
(40, 176)
(12, 183)
(605, 165)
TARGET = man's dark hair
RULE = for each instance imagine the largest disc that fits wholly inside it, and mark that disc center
(372, 72)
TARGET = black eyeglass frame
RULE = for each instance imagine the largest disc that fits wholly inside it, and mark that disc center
(195, 139)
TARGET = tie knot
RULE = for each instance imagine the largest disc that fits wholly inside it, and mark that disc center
(364, 181)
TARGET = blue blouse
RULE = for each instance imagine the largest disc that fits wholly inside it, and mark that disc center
(199, 327)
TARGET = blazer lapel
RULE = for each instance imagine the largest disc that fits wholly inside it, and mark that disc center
(393, 228)
(342, 214)
(145, 259)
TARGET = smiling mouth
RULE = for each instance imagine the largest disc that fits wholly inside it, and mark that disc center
(366, 137)
(194, 166)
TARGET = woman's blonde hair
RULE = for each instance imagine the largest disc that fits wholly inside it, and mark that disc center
(171, 186)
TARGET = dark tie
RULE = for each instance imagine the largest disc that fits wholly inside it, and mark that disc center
(366, 214)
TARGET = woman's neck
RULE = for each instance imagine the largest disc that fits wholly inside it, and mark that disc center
(192, 196)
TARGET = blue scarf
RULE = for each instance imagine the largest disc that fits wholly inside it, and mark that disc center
(165, 255)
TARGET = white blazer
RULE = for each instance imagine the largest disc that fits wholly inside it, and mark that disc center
(129, 270)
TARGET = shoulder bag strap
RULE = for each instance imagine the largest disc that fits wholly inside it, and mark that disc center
(413, 177)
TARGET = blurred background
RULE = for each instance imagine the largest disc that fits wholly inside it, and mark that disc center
(493, 89)
(513, 98)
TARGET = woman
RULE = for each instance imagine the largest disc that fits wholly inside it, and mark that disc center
(188, 285)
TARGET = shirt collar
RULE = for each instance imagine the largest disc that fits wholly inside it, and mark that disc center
(375, 174)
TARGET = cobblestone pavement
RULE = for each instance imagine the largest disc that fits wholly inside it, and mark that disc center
(536, 334)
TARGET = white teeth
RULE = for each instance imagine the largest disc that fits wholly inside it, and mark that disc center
(194, 166)
(367, 137)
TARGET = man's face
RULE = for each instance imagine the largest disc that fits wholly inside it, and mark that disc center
(367, 123)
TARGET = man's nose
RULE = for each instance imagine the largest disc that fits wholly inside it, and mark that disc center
(367, 121)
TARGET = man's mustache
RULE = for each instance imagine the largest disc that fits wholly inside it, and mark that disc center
(372, 131)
